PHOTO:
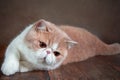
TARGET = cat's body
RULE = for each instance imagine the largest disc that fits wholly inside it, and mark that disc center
(88, 45)
(45, 46)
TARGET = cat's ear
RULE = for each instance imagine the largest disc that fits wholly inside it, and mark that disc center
(41, 25)
(71, 43)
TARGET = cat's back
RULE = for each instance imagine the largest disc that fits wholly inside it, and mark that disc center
(76, 33)
(86, 43)
(69, 29)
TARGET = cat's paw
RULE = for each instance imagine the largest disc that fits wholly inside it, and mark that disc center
(10, 67)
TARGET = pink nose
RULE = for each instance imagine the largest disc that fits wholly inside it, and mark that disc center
(48, 52)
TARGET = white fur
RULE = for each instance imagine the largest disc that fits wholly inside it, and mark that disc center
(55, 46)
(19, 58)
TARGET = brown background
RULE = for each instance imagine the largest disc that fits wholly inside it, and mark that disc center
(101, 17)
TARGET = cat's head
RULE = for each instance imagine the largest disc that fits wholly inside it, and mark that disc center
(49, 43)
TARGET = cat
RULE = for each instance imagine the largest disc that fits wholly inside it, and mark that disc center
(45, 46)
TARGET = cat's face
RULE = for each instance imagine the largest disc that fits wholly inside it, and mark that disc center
(49, 43)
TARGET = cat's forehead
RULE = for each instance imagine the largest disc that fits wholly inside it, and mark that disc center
(57, 41)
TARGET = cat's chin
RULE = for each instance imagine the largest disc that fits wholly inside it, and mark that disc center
(43, 65)
(43, 61)
(46, 66)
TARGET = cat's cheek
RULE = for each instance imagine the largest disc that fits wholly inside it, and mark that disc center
(36, 46)
(58, 58)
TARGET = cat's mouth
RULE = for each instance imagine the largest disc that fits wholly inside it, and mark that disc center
(50, 59)
(47, 60)
(46, 56)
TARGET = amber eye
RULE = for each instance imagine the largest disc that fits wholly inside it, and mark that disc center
(56, 53)
(42, 44)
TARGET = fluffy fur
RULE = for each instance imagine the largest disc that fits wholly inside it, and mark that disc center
(45, 46)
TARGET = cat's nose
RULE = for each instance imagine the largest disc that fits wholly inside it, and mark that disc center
(48, 52)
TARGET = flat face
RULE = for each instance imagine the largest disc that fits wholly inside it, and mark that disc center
(48, 42)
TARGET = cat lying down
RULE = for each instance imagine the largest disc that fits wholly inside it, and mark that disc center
(45, 46)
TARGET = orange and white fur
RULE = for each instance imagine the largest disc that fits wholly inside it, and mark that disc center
(45, 46)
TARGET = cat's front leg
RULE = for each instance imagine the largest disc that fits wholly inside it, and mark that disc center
(10, 66)
(11, 62)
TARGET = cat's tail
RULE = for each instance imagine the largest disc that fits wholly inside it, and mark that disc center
(111, 49)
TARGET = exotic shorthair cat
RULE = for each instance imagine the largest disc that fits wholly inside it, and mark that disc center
(45, 46)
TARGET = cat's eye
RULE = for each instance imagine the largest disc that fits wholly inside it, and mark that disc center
(42, 44)
(56, 53)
